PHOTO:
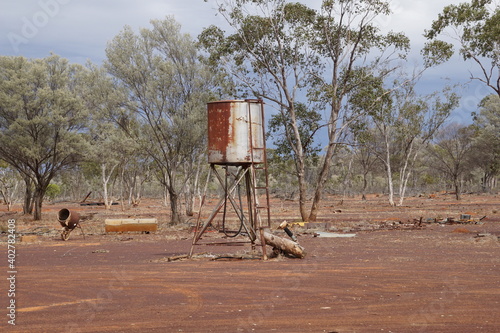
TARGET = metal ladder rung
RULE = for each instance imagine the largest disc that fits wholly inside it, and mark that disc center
(258, 208)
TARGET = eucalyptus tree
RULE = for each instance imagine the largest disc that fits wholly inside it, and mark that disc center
(351, 42)
(134, 174)
(9, 184)
(486, 150)
(475, 25)
(290, 54)
(417, 118)
(281, 129)
(269, 56)
(168, 87)
(402, 120)
(451, 153)
(42, 120)
(365, 157)
(111, 146)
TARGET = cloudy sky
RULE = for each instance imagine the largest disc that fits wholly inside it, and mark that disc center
(80, 29)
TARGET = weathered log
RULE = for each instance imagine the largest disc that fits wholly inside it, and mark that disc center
(287, 246)
(174, 258)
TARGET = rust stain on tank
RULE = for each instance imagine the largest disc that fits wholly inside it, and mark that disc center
(219, 133)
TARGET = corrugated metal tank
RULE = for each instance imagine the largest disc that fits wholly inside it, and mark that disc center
(230, 136)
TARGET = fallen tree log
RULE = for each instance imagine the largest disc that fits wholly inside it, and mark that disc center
(287, 246)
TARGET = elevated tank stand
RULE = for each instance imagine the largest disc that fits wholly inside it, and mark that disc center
(230, 121)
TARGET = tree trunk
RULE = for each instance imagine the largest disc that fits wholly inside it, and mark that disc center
(302, 197)
(122, 187)
(137, 195)
(7, 200)
(388, 168)
(37, 201)
(333, 135)
(404, 176)
(390, 186)
(174, 206)
(286, 245)
(313, 215)
(28, 196)
(189, 198)
(365, 185)
(105, 181)
(196, 186)
(299, 167)
(406, 172)
(457, 188)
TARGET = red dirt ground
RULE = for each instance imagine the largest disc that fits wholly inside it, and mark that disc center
(390, 277)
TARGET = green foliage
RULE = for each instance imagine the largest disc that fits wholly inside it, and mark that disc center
(168, 87)
(429, 179)
(9, 181)
(285, 51)
(477, 26)
(43, 118)
(436, 52)
(53, 190)
(451, 153)
(487, 138)
(282, 130)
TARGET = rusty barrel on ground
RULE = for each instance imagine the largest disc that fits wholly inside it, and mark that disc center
(68, 218)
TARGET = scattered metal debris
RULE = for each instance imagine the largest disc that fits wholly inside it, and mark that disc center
(203, 255)
(486, 236)
(84, 202)
(464, 219)
(324, 234)
(231, 257)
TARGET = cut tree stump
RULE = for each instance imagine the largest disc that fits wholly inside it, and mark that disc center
(287, 246)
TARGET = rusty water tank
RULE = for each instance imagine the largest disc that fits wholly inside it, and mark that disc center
(235, 130)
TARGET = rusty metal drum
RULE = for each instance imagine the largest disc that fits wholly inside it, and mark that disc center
(236, 132)
(68, 219)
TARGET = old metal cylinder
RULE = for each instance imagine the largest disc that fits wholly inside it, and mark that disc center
(68, 219)
(235, 132)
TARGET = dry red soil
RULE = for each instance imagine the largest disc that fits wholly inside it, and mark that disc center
(391, 277)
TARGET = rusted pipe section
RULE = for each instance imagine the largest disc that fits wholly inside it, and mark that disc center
(68, 219)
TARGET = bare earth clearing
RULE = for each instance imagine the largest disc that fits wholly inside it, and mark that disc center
(391, 277)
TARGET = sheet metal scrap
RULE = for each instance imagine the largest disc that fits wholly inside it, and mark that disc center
(464, 219)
